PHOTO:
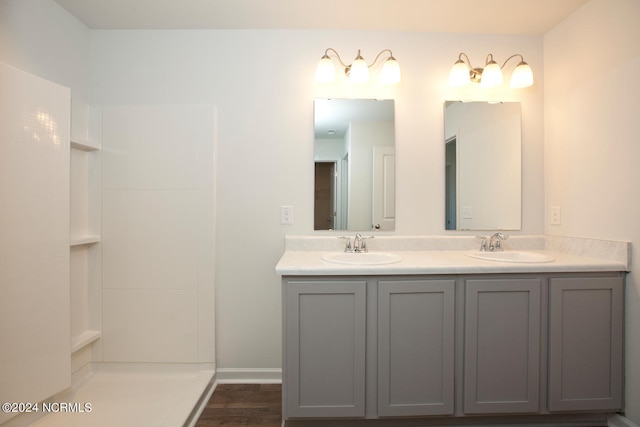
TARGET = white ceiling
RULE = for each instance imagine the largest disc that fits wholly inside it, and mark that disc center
(336, 114)
(530, 17)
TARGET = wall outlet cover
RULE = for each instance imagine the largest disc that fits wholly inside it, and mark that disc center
(286, 215)
(556, 215)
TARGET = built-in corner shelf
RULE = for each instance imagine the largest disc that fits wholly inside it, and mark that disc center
(84, 339)
(84, 240)
(84, 145)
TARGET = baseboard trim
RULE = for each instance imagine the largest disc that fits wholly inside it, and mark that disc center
(618, 420)
(248, 376)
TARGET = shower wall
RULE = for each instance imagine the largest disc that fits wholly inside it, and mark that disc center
(158, 234)
(34, 238)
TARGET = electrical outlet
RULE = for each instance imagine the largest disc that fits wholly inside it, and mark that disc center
(556, 215)
(467, 212)
(286, 215)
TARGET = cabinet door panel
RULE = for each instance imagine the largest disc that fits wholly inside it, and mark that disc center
(585, 363)
(416, 347)
(502, 346)
(326, 327)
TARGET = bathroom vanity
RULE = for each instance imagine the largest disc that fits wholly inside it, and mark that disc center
(442, 337)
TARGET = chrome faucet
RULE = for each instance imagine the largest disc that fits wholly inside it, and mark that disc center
(359, 243)
(495, 242)
(483, 243)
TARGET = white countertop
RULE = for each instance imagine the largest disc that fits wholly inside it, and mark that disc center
(310, 263)
(303, 257)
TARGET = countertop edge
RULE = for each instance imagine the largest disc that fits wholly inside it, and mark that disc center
(309, 263)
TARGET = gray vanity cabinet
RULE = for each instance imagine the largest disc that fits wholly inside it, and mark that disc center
(502, 346)
(416, 321)
(585, 343)
(527, 347)
(325, 326)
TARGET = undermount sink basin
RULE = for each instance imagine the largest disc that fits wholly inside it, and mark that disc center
(362, 258)
(511, 256)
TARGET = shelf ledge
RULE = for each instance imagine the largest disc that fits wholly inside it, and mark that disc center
(84, 240)
(84, 339)
(84, 145)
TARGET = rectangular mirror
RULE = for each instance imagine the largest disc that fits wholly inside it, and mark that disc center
(354, 161)
(482, 166)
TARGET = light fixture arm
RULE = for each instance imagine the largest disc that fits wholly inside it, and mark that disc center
(326, 54)
(489, 60)
(358, 70)
(509, 58)
(465, 60)
(475, 73)
(378, 56)
(330, 49)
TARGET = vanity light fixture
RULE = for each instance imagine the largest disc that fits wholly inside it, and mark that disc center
(463, 73)
(358, 70)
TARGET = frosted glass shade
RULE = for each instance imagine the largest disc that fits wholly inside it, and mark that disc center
(491, 75)
(522, 76)
(326, 70)
(359, 72)
(390, 73)
(459, 74)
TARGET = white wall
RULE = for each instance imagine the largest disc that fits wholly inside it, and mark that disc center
(592, 100)
(41, 38)
(262, 84)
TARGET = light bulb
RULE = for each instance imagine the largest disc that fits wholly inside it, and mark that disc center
(326, 70)
(522, 76)
(459, 74)
(390, 73)
(359, 70)
(491, 75)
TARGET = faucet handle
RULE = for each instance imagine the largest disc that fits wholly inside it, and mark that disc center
(347, 247)
(483, 243)
(494, 242)
(363, 246)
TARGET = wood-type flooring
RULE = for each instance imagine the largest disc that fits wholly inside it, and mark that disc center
(241, 405)
(233, 405)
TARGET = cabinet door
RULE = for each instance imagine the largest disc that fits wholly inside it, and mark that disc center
(585, 343)
(502, 346)
(325, 348)
(416, 347)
